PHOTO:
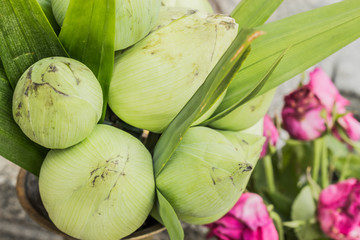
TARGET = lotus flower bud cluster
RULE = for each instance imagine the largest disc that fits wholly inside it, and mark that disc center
(42, 100)
(102, 188)
(134, 19)
(153, 80)
(208, 172)
(98, 182)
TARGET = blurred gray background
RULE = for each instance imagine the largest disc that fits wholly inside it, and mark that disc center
(343, 67)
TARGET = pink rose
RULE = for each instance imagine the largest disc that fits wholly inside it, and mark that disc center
(248, 219)
(349, 125)
(322, 86)
(302, 115)
(308, 110)
(339, 210)
(271, 133)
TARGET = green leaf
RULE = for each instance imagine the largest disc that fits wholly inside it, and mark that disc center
(88, 34)
(312, 35)
(278, 224)
(254, 92)
(168, 217)
(295, 161)
(349, 166)
(281, 203)
(252, 13)
(336, 147)
(46, 7)
(26, 37)
(314, 186)
(14, 145)
(304, 209)
(310, 232)
(214, 85)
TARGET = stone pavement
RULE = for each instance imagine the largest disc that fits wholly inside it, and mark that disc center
(342, 66)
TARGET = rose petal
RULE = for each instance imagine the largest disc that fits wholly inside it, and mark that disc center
(270, 133)
(310, 127)
(334, 196)
(252, 211)
(326, 91)
(351, 126)
(339, 210)
(269, 232)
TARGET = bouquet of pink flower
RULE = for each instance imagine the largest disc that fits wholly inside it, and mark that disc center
(310, 184)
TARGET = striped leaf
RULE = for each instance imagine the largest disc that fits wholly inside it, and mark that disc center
(14, 145)
(88, 34)
(252, 13)
(312, 35)
(25, 36)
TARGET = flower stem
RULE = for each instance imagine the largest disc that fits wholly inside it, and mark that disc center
(345, 168)
(269, 173)
(324, 165)
(316, 159)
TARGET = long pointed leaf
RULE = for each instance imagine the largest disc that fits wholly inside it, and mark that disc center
(249, 96)
(14, 145)
(25, 36)
(252, 13)
(312, 35)
(46, 7)
(88, 34)
(168, 217)
(216, 83)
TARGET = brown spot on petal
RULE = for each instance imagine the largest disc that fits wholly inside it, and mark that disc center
(29, 73)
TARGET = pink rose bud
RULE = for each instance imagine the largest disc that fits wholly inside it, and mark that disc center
(339, 210)
(270, 133)
(349, 125)
(302, 115)
(248, 219)
(322, 86)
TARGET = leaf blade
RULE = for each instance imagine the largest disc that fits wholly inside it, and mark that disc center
(252, 13)
(254, 92)
(26, 37)
(15, 146)
(168, 217)
(88, 33)
(308, 33)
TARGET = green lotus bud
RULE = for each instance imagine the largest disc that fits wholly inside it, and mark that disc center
(133, 21)
(208, 172)
(153, 80)
(256, 129)
(57, 102)
(101, 188)
(246, 115)
(59, 8)
(202, 5)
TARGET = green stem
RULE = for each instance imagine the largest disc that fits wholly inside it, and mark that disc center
(316, 158)
(269, 173)
(345, 168)
(324, 164)
(278, 224)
